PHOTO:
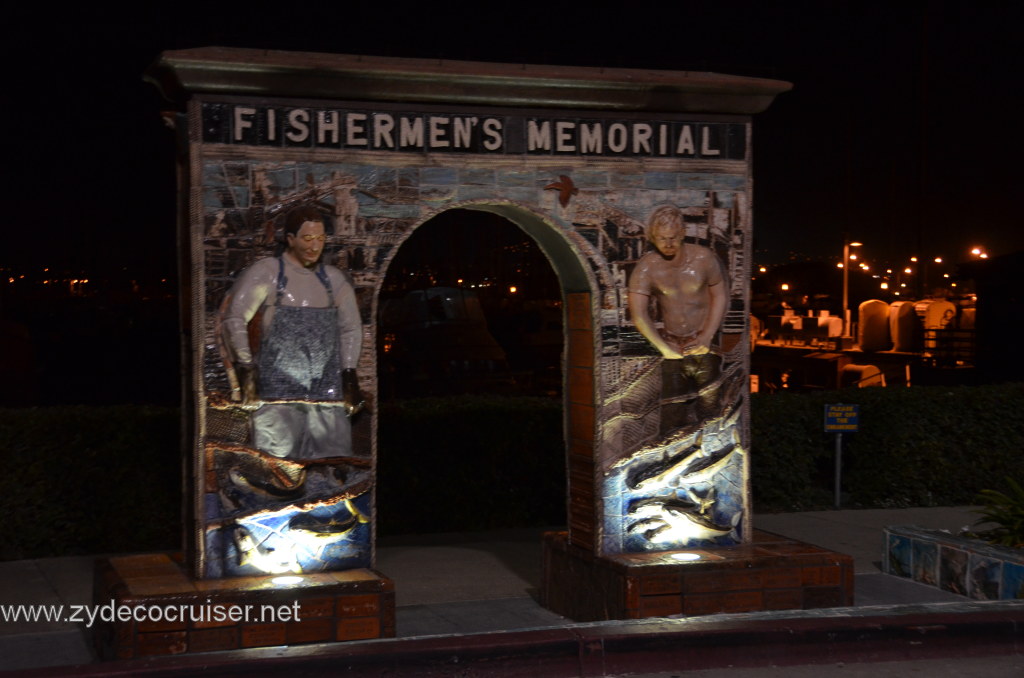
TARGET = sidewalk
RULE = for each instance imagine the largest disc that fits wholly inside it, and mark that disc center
(466, 584)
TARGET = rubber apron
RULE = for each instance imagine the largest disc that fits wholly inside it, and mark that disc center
(300, 353)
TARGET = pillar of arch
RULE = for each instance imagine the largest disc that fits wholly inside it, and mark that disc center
(579, 158)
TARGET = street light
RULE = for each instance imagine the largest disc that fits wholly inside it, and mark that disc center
(846, 284)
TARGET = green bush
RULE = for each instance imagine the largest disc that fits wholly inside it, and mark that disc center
(1004, 510)
(922, 446)
(788, 450)
(85, 480)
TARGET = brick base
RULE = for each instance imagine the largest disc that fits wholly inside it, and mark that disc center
(183, 615)
(771, 573)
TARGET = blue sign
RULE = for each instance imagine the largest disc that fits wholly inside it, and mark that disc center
(841, 418)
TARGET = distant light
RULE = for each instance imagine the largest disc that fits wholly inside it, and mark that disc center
(983, 255)
(856, 244)
(938, 260)
(903, 284)
(839, 265)
(853, 257)
(459, 281)
(913, 258)
(512, 289)
(908, 270)
(976, 251)
(884, 286)
(784, 287)
(945, 275)
(684, 556)
(763, 269)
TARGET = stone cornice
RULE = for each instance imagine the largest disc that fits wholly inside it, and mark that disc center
(248, 72)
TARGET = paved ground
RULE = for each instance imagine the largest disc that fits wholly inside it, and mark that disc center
(462, 584)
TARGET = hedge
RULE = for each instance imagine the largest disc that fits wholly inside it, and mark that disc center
(920, 446)
(86, 480)
(89, 480)
(452, 464)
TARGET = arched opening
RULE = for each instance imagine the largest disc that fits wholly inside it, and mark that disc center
(470, 342)
(477, 478)
(469, 304)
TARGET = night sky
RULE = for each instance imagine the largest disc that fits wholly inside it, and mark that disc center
(901, 130)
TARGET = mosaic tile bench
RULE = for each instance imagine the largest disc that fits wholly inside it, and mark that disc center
(967, 567)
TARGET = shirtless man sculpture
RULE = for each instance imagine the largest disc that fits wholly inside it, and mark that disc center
(689, 287)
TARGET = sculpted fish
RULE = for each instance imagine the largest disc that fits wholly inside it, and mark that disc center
(324, 530)
(262, 487)
(267, 560)
(255, 473)
(669, 521)
(690, 466)
(311, 527)
(316, 534)
(656, 472)
(704, 468)
(650, 505)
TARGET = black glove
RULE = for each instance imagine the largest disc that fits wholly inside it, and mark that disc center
(350, 393)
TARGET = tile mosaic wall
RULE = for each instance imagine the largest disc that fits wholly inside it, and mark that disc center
(654, 486)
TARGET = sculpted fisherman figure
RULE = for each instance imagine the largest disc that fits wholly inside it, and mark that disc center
(310, 338)
(687, 284)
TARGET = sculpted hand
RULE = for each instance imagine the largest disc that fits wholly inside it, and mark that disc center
(350, 393)
(247, 382)
(696, 349)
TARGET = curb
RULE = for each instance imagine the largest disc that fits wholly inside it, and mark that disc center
(851, 635)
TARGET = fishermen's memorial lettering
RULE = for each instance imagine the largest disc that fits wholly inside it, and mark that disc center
(452, 132)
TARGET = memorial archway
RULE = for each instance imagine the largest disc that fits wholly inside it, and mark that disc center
(636, 184)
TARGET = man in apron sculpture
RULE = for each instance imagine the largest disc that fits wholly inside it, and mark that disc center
(688, 285)
(304, 373)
